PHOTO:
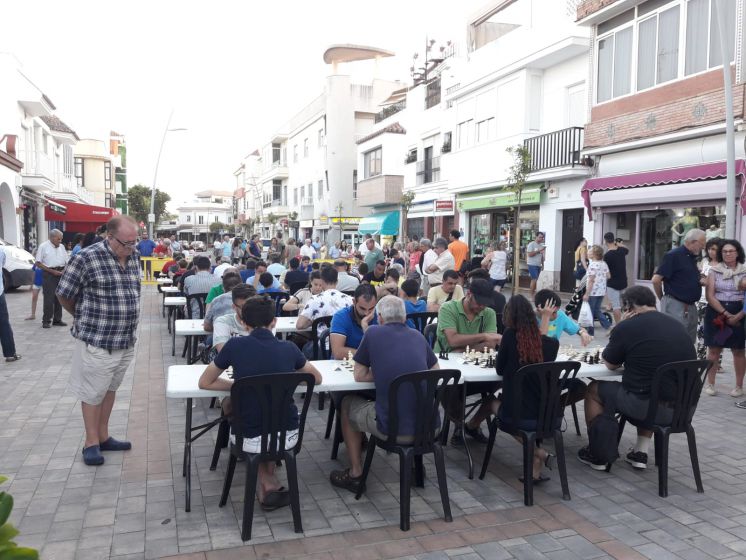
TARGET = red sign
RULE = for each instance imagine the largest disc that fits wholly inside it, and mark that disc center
(444, 205)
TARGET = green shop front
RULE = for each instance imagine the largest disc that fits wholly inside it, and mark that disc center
(491, 217)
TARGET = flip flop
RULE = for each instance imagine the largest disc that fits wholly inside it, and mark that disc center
(539, 480)
(275, 499)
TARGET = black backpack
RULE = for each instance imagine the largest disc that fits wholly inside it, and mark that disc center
(602, 437)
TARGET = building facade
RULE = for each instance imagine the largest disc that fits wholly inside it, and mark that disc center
(196, 220)
(118, 149)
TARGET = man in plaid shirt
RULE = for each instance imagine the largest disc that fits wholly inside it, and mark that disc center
(101, 289)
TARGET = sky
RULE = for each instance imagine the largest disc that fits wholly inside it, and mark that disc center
(232, 71)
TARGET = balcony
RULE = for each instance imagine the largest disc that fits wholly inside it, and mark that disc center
(557, 149)
(386, 112)
(428, 171)
(380, 190)
(38, 171)
(277, 170)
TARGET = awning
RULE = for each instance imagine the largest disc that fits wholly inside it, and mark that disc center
(383, 223)
(78, 217)
(688, 174)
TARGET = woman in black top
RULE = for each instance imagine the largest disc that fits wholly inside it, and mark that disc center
(522, 344)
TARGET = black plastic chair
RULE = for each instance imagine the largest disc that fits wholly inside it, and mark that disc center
(280, 298)
(431, 334)
(192, 341)
(688, 378)
(273, 394)
(427, 389)
(295, 286)
(315, 341)
(550, 377)
(423, 319)
(350, 293)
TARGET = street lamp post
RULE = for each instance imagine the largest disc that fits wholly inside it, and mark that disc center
(151, 215)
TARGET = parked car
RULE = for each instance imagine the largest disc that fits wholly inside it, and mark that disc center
(18, 269)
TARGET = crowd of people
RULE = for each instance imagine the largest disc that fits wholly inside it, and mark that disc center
(368, 298)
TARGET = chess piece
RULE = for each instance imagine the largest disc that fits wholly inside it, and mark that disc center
(466, 352)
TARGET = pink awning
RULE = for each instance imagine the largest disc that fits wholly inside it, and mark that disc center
(691, 173)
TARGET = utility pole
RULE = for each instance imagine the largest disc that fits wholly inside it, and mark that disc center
(730, 153)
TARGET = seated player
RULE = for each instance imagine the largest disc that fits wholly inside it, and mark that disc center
(268, 284)
(349, 325)
(388, 350)
(223, 303)
(259, 353)
(300, 298)
(557, 322)
(377, 276)
(230, 325)
(449, 290)
(498, 299)
(218, 289)
(409, 291)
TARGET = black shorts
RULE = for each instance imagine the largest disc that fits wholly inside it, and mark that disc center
(630, 404)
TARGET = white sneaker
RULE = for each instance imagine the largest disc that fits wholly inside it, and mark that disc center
(736, 392)
(710, 390)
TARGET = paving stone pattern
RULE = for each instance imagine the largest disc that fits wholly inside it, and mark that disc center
(133, 506)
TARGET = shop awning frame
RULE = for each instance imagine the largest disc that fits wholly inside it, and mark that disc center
(672, 176)
(77, 212)
(382, 223)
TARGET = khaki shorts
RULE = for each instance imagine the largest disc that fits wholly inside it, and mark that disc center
(362, 415)
(96, 371)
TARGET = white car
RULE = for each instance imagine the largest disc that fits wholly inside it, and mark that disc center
(18, 269)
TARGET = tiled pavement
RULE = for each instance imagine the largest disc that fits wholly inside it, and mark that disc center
(133, 506)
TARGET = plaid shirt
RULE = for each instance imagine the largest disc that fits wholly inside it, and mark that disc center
(107, 296)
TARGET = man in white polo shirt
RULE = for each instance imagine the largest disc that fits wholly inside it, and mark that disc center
(51, 257)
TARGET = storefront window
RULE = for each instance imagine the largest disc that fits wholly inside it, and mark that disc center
(485, 228)
(416, 228)
(662, 230)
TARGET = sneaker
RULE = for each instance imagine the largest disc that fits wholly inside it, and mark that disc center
(710, 390)
(585, 457)
(637, 459)
(737, 392)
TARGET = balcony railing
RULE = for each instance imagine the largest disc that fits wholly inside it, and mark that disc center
(37, 163)
(273, 202)
(386, 112)
(432, 96)
(428, 171)
(560, 148)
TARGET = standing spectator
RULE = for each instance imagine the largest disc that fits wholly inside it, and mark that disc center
(146, 246)
(427, 258)
(373, 254)
(217, 249)
(316, 244)
(616, 259)
(345, 281)
(724, 317)
(254, 247)
(414, 254)
(396, 258)
(449, 290)
(443, 261)
(51, 257)
(581, 260)
(274, 248)
(105, 325)
(363, 249)
(292, 250)
(36, 287)
(534, 259)
(77, 244)
(236, 251)
(344, 250)
(678, 276)
(175, 244)
(6, 332)
(226, 247)
(458, 249)
(496, 262)
(334, 251)
(281, 247)
(307, 250)
(595, 291)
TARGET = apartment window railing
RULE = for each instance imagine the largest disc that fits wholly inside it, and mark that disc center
(428, 171)
(432, 96)
(411, 157)
(560, 148)
(386, 112)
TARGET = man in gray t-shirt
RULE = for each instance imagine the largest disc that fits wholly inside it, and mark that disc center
(534, 259)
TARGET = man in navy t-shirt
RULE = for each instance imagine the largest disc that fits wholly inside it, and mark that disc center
(349, 324)
(388, 350)
(259, 353)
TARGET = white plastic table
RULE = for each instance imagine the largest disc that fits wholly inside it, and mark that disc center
(192, 329)
(286, 326)
(164, 280)
(173, 304)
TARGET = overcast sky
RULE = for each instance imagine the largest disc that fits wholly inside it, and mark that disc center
(233, 71)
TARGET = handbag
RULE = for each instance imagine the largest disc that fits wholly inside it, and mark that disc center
(579, 270)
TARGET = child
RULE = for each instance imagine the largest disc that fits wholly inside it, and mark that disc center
(35, 289)
(409, 292)
(554, 324)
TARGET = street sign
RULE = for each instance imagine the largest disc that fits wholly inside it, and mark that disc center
(151, 218)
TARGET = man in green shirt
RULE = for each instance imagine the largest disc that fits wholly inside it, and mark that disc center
(373, 255)
(468, 322)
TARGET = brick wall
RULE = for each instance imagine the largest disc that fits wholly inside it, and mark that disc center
(589, 7)
(682, 105)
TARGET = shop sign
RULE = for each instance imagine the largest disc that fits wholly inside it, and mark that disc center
(284, 222)
(443, 205)
(336, 220)
(498, 199)
(323, 220)
(306, 223)
(294, 224)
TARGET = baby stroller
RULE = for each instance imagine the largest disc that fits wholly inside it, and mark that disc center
(572, 309)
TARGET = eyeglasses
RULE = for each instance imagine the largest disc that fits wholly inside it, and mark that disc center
(128, 244)
(730, 251)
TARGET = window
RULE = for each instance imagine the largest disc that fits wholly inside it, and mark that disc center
(107, 200)
(310, 193)
(67, 159)
(320, 190)
(485, 130)
(295, 153)
(372, 163)
(305, 148)
(276, 191)
(354, 184)
(463, 133)
(200, 219)
(295, 196)
(276, 151)
(107, 175)
(659, 41)
(320, 139)
(302, 194)
(284, 195)
(79, 173)
(216, 219)
(189, 218)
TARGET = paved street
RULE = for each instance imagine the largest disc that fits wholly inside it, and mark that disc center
(133, 506)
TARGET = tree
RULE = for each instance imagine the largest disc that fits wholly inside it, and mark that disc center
(217, 227)
(139, 203)
(517, 175)
(406, 203)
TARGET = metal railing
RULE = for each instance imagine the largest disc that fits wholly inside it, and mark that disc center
(386, 112)
(428, 171)
(37, 163)
(560, 148)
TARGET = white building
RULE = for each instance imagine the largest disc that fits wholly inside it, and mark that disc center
(94, 171)
(209, 207)
(309, 166)
(247, 198)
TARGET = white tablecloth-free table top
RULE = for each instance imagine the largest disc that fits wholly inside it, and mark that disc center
(170, 289)
(174, 301)
(287, 325)
(190, 327)
(164, 280)
(182, 381)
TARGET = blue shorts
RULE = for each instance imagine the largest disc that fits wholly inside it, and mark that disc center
(38, 278)
(534, 270)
